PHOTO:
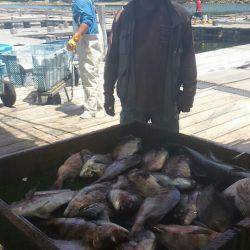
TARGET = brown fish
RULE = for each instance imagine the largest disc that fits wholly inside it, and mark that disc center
(145, 183)
(120, 167)
(41, 204)
(99, 234)
(154, 208)
(240, 193)
(183, 237)
(123, 201)
(154, 160)
(145, 240)
(121, 183)
(128, 146)
(87, 196)
(177, 166)
(71, 168)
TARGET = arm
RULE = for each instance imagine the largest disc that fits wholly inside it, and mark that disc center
(188, 71)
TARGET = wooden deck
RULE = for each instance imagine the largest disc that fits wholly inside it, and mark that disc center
(221, 111)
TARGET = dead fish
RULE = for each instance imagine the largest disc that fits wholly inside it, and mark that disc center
(121, 183)
(207, 169)
(123, 201)
(127, 147)
(154, 208)
(240, 193)
(87, 196)
(214, 210)
(145, 183)
(180, 183)
(95, 211)
(71, 167)
(71, 245)
(154, 160)
(99, 234)
(102, 158)
(186, 210)
(183, 237)
(41, 204)
(92, 169)
(177, 166)
(120, 167)
(145, 240)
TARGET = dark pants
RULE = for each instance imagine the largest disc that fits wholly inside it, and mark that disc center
(156, 119)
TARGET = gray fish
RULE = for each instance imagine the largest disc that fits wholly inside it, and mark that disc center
(120, 167)
(123, 201)
(121, 183)
(87, 196)
(95, 211)
(145, 240)
(102, 158)
(129, 146)
(214, 210)
(180, 183)
(154, 208)
(186, 210)
(183, 237)
(71, 168)
(154, 160)
(145, 183)
(41, 204)
(240, 193)
(177, 166)
(71, 245)
(99, 234)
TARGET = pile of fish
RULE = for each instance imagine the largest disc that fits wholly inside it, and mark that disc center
(138, 199)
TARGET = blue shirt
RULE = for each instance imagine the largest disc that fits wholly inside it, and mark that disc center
(84, 13)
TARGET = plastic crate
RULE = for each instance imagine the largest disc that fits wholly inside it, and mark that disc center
(2, 73)
(50, 66)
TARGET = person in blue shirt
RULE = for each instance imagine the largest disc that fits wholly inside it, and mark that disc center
(87, 42)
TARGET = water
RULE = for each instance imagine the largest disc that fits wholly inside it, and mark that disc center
(209, 8)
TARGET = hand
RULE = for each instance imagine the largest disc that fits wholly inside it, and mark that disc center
(185, 101)
(71, 45)
(109, 105)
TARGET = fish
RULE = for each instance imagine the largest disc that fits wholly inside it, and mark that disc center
(207, 169)
(180, 237)
(95, 211)
(127, 147)
(99, 234)
(71, 245)
(154, 160)
(214, 210)
(102, 158)
(71, 168)
(177, 166)
(154, 208)
(239, 192)
(123, 201)
(119, 167)
(42, 204)
(92, 169)
(87, 196)
(122, 183)
(186, 210)
(145, 240)
(180, 183)
(145, 183)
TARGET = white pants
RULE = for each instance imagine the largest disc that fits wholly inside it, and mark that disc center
(90, 55)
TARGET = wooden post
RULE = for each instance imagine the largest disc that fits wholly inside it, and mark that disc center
(101, 16)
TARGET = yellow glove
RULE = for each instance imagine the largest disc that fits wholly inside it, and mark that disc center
(71, 46)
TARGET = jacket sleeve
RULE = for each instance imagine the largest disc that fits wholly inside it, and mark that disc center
(112, 59)
(188, 71)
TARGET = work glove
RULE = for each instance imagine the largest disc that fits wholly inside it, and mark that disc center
(109, 105)
(185, 101)
(72, 43)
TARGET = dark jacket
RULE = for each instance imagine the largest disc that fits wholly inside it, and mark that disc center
(180, 68)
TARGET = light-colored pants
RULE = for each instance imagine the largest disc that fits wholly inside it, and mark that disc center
(90, 55)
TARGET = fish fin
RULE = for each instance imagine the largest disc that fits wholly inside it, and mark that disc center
(30, 194)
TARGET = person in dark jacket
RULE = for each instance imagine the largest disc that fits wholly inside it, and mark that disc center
(151, 61)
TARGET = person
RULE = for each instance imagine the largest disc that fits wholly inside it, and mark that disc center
(198, 12)
(151, 57)
(87, 41)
